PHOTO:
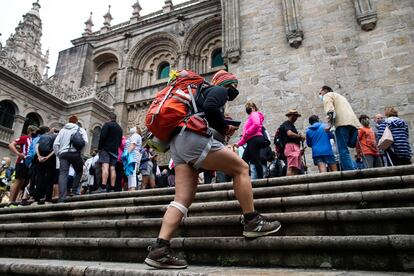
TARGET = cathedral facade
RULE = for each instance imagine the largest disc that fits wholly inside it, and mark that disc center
(282, 51)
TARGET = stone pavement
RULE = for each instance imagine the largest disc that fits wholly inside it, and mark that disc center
(44, 267)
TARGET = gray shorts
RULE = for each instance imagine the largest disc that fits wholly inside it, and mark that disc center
(189, 147)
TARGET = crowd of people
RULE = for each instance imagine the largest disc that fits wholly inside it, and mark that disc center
(52, 162)
(126, 163)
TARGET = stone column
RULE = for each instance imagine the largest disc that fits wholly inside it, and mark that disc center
(18, 126)
(231, 30)
(365, 14)
(181, 60)
(294, 34)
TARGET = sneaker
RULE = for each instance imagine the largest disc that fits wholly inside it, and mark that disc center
(24, 202)
(162, 257)
(48, 203)
(99, 191)
(260, 226)
(35, 203)
(11, 205)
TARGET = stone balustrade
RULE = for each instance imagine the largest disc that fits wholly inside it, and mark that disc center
(52, 85)
(6, 134)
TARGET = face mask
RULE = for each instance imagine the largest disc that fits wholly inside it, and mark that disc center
(321, 98)
(232, 93)
(3, 162)
(248, 110)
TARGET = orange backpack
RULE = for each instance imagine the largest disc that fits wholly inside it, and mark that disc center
(175, 106)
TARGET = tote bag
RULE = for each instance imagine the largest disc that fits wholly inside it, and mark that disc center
(386, 139)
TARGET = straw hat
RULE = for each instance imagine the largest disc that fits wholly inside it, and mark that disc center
(293, 112)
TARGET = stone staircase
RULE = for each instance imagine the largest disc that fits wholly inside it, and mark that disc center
(358, 220)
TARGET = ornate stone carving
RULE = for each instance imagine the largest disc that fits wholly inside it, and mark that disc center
(231, 30)
(52, 86)
(365, 14)
(294, 34)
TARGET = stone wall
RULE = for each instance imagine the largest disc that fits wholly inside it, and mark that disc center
(372, 69)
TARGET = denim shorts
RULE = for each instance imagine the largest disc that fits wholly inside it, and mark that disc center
(327, 159)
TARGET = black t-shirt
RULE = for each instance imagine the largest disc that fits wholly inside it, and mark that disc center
(110, 138)
(212, 104)
(288, 125)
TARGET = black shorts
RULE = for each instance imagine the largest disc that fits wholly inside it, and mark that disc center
(22, 172)
(107, 158)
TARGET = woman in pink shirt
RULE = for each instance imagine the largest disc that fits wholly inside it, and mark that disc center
(253, 136)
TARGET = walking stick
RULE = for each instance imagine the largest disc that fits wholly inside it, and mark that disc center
(305, 169)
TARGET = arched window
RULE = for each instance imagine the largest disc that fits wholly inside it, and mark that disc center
(217, 59)
(95, 138)
(164, 71)
(31, 119)
(7, 113)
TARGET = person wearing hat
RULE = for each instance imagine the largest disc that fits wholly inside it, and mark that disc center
(191, 151)
(342, 117)
(292, 139)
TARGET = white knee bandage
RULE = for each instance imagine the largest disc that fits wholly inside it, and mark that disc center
(180, 207)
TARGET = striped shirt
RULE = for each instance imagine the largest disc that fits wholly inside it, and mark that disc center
(399, 130)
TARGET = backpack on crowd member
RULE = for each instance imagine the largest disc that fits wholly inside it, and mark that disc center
(77, 141)
(279, 144)
(266, 137)
(175, 106)
(45, 144)
(31, 153)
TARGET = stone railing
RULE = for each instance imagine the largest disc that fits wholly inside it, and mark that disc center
(52, 85)
(6, 134)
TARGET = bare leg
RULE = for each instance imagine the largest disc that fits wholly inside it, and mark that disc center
(185, 189)
(145, 182)
(230, 163)
(113, 176)
(15, 189)
(322, 167)
(152, 183)
(105, 173)
(333, 167)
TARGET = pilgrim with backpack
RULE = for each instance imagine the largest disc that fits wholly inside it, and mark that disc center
(68, 146)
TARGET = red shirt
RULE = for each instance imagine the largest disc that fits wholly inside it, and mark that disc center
(24, 144)
(368, 141)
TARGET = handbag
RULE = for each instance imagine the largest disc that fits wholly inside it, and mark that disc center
(386, 139)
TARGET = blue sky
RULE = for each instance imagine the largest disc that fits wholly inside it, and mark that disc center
(64, 20)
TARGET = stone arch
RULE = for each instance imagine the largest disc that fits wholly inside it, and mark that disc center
(146, 57)
(56, 125)
(8, 112)
(15, 102)
(106, 64)
(32, 118)
(200, 42)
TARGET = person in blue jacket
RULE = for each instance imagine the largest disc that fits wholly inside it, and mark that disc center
(318, 138)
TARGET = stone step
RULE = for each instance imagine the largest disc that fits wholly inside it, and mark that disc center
(333, 201)
(378, 252)
(224, 195)
(311, 223)
(53, 267)
(280, 181)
